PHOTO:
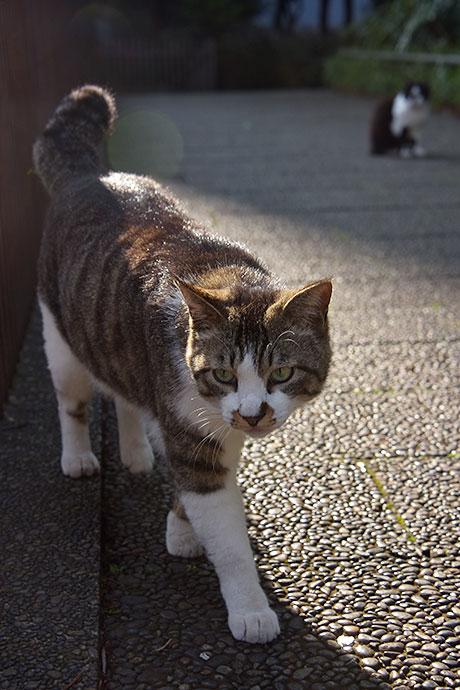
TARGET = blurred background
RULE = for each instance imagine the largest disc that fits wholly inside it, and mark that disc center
(49, 46)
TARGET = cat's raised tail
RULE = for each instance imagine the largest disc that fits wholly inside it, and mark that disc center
(70, 143)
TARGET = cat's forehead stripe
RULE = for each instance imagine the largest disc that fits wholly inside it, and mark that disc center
(247, 365)
(251, 388)
(251, 334)
(248, 374)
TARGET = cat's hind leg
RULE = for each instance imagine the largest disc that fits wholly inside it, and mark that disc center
(74, 390)
(180, 537)
(135, 449)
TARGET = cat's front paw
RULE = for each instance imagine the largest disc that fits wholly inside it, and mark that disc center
(180, 538)
(406, 152)
(419, 151)
(138, 458)
(255, 626)
(80, 465)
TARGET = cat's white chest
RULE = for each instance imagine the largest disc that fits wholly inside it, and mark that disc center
(406, 114)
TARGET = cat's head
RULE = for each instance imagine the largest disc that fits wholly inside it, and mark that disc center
(257, 353)
(417, 93)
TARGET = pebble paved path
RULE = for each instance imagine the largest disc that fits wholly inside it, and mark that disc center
(353, 507)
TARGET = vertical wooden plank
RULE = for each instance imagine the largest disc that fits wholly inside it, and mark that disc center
(36, 66)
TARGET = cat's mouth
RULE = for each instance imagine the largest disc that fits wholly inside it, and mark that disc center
(257, 426)
(255, 432)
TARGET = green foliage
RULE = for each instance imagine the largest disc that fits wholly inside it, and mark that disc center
(422, 19)
(401, 26)
(409, 24)
(375, 77)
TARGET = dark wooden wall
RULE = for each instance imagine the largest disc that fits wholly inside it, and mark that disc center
(48, 47)
(36, 67)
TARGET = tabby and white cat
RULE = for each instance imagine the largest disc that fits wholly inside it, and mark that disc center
(397, 122)
(187, 331)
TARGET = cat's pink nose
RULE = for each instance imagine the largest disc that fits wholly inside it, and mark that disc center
(253, 421)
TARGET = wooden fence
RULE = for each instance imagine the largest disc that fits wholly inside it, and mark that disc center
(34, 72)
(41, 58)
(167, 62)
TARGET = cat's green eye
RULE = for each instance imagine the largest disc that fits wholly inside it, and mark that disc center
(223, 375)
(282, 374)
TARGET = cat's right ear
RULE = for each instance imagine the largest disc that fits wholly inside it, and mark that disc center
(203, 306)
(307, 306)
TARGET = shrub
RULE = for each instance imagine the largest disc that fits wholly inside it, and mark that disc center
(378, 77)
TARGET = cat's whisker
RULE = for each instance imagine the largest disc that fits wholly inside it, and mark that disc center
(186, 430)
(209, 418)
(202, 412)
(204, 424)
(225, 434)
(213, 416)
(220, 437)
(204, 440)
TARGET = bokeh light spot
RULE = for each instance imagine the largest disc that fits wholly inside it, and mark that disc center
(147, 143)
(101, 20)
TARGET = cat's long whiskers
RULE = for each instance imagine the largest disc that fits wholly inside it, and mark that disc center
(208, 437)
(221, 442)
(185, 431)
(213, 416)
(204, 440)
(200, 411)
(203, 412)
(203, 424)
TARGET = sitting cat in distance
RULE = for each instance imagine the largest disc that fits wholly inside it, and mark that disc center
(397, 122)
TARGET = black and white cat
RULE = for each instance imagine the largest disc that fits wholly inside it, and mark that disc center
(396, 122)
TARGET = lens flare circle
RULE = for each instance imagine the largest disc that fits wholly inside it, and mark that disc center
(147, 143)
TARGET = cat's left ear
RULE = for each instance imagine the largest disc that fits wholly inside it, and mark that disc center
(205, 306)
(308, 305)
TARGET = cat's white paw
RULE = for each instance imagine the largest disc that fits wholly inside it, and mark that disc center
(83, 464)
(180, 538)
(419, 151)
(254, 626)
(406, 152)
(138, 458)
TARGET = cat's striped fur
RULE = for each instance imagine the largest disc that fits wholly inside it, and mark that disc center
(184, 329)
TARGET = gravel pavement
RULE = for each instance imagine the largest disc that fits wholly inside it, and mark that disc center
(353, 506)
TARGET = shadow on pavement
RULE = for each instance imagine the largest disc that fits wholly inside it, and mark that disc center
(164, 622)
